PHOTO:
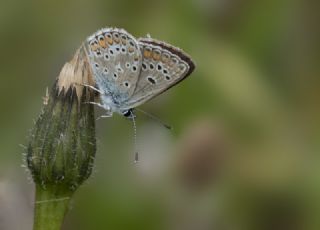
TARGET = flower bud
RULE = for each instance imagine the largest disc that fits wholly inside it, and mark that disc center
(62, 146)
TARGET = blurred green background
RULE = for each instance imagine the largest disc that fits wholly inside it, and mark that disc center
(244, 152)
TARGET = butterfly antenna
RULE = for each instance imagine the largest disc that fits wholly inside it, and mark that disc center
(136, 154)
(153, 117)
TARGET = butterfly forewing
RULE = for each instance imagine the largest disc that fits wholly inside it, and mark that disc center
(162, 67)
(115, 58)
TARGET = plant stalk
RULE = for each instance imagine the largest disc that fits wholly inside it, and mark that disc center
(51, 205)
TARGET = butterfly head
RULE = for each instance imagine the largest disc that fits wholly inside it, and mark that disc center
(129, 114)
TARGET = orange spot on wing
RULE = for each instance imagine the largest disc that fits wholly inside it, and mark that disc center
(109, 40)
(165, 59)
(156, 56)
(147, 53)
(124, 41)
(116, 38)
(130, 49)
(103, 43)
(94, 47)
(173, 62)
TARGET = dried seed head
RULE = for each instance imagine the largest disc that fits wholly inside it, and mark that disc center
(76, 73)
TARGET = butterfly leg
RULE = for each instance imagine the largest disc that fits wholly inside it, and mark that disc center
(94, 103)
(92, 87)
(105, 107)
(109, 114)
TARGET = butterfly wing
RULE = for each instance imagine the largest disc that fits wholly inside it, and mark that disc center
(163, 66)
(115, 58)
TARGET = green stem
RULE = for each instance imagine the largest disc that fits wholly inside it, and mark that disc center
(51, 205)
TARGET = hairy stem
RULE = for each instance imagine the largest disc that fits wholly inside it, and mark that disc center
(51, 205)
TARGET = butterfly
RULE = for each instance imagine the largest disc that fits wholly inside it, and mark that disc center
(129, 72)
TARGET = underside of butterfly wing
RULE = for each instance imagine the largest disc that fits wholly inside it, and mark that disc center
(163, 66)
(115, 58)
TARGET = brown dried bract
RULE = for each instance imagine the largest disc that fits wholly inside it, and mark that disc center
(76, 73)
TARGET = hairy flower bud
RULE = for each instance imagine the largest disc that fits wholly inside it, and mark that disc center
(62, 146)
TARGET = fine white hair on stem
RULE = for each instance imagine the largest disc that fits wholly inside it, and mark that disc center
(53, 200)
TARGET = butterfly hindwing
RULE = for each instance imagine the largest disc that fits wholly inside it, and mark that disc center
(115, 58)
(162, 67)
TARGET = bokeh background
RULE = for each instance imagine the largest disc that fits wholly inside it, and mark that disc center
(244, 151)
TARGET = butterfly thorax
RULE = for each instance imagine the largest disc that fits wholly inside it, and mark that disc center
(110, 105)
